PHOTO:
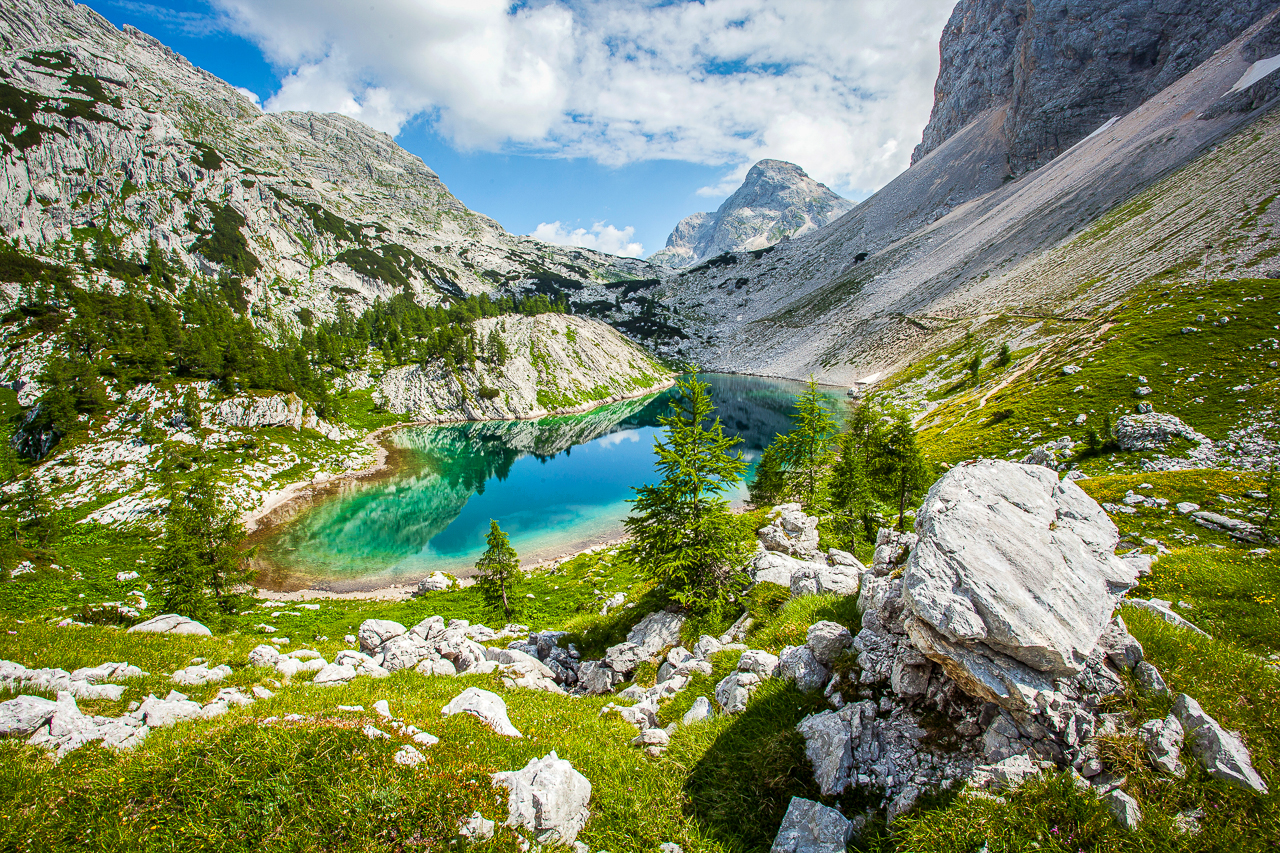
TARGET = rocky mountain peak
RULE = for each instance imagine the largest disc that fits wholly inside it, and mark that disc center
(776, 201)
(1059, 69)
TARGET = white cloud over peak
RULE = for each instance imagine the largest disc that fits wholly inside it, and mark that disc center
(601, 237)
(841, 87)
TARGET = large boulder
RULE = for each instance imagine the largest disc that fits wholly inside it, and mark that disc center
(1013, 579)
(1221, 752)
(790, 531)
(487, 707)
(21, 716)
(810, 827)
(1151, 431)
(817, 579)
(374, 632)
(547, 797)
(170, 623)
(798, 664)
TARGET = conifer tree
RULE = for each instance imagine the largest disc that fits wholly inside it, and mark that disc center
(1006, 355)
(806, 450)
(852, 495)
(908, 474)
(683, 534)
(768, 484)
(498, 570)
(200, 565)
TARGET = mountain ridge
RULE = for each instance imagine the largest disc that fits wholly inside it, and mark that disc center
(776, 201)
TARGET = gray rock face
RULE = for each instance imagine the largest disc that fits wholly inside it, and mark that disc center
(776, 201)
(799, 664)
(1152, 431)
(1164, 744)
(486, 706)
(1013, 580)
(21, 716)
(548, 798)
(170, 623)
(810, 827)
(791, 532)
(1222, 753)
(1059, 69)
(829, 739)
(1149, 679)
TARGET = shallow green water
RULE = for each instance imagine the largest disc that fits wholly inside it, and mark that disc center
(554, 485)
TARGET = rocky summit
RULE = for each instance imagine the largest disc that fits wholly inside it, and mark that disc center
(777, 201)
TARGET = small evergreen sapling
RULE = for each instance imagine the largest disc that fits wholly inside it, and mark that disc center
(683, 535)
(806, 450)
(498, 570)
(201, 567)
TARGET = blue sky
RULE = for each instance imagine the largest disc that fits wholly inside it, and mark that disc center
(588, 122)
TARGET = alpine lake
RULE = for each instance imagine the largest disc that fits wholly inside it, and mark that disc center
(555, 485)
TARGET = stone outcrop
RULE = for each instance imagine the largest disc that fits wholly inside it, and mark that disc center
(1013, 580)
(170, 623)
(1058, 70)
(810, 827)
(1152, 431)
(548, 798)
(777, 201)
(486, 706)
(247, 411)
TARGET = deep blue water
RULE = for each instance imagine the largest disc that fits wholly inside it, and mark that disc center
(554, 485)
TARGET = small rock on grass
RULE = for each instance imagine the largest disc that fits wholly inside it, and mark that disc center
(476, 828)
(407, 756)
(382, 709)
(487, 706)
(375, 733)
(425, 739)
(701, 710)
(1124, 809)
(810, 827)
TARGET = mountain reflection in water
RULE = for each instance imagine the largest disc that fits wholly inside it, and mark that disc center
(554, 485)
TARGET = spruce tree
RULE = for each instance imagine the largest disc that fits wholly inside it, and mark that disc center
(200, 565)
(806, 450)
(498, 570)
(852, 495)
(1006, 355)
(908, 474)
(683, 535)
(975, 370)
(768, 484)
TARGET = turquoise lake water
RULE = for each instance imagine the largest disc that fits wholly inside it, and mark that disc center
(554, 485)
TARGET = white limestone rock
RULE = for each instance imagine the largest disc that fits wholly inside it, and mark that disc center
(374, 632)
(735, 689)
(486, 706)
(20, 717)
(810, 827)
(790, 532)
(1013, 579)
(548, 798)
(170, 623)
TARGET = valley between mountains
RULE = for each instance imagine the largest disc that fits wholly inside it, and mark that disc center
(942, 521)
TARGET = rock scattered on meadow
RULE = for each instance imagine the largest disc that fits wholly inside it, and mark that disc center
(548, 797)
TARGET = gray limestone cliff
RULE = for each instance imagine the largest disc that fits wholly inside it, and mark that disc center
(109, 138)
(776, 201)
(1057, 70)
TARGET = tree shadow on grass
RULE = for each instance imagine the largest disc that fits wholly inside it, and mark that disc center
(740, 788)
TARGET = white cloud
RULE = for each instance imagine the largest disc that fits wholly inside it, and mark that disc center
(842, 87)
(601, 237)
(251, 95)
